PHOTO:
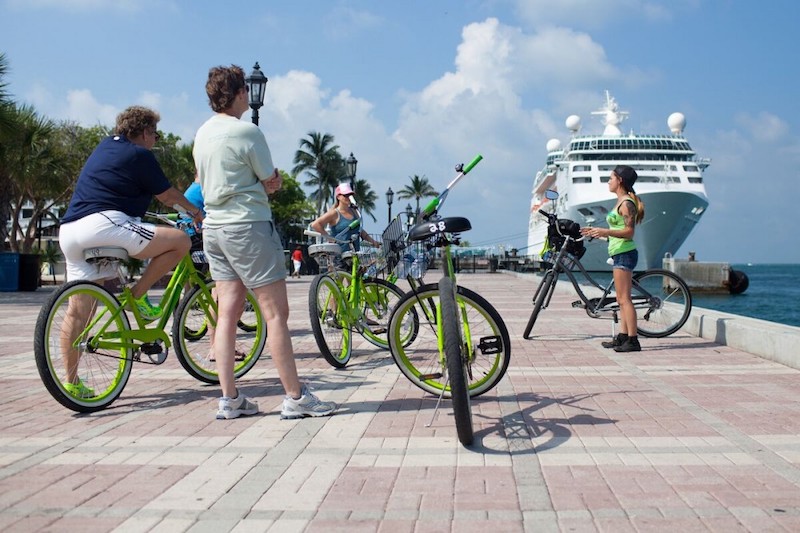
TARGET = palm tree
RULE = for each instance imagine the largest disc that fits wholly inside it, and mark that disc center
(320, 159)
(419, 188)
(366, 198)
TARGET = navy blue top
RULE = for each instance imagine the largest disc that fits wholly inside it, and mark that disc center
(118, 176)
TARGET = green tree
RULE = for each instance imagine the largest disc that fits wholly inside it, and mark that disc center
(30, 162)
(419, 188)
(176, 160)
(290, 210)
(6, 130)
(320, 159)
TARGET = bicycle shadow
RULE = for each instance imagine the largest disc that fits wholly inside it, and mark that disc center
(523, 428)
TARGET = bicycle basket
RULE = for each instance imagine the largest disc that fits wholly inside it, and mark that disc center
(557, 236)
(372, 262)
(413, 263)
(394, 242)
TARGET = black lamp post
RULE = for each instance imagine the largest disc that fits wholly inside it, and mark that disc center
(256, 85)
(409, 214)
(350, 165)
(389, 200)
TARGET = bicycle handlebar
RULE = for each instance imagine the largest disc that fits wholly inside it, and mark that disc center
(433, 205)
(312, 233)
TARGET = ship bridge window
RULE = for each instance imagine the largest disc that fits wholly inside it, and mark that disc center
(585, 212)
(582, 168)
(581, 180)
(690, 168)
(695, 180)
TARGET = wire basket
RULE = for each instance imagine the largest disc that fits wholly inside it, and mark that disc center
(394, 242)
(372, 262)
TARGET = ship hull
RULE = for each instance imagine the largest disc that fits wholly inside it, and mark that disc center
(670, 216)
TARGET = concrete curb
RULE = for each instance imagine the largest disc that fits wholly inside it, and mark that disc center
(769, 340)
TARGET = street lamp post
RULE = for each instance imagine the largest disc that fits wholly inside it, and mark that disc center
(256, 84)
(389, 200)
(350, 165)
(409, 214)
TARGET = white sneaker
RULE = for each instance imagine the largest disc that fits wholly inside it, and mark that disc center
(306, 405)
(236, 407)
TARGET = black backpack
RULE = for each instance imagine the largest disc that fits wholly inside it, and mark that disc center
(569, 228)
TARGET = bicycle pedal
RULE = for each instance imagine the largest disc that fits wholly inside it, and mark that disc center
(426, 377)
(579, 304)
(490, 345)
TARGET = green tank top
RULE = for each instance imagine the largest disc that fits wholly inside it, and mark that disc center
(617, 245)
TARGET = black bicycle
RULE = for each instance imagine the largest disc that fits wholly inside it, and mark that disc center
(661, 298)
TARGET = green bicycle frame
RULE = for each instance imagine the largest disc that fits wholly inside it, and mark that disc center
(184, 271)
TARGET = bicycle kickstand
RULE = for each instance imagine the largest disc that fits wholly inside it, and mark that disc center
(438, 402)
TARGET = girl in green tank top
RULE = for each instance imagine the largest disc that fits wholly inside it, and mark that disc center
(628, 212)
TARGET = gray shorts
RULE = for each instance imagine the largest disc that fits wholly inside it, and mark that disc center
(251, 252)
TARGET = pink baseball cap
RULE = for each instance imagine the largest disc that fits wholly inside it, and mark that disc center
(343, 188)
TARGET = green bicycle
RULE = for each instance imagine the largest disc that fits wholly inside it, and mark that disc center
(341, 302)
(85, 344)
(462, 348)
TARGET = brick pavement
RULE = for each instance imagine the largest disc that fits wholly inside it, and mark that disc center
(687, 434)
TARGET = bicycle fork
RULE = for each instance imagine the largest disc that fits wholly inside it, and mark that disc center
(466, 351)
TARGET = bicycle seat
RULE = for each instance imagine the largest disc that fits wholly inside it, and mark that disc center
(324, 248)
(446, 225)
(105, 253)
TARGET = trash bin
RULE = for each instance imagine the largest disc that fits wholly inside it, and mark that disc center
(493, 264)
(30, 271)
(9, 271)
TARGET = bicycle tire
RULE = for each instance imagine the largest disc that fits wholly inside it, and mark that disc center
(538, 301)
(194, 353)
(103, 372)
(247, 325)
(330, 327)
(667, 308)
(457, 365)
(420, 360)
(247, 322)
(378, 298)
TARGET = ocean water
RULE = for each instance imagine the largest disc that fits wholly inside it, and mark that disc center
(773, 294)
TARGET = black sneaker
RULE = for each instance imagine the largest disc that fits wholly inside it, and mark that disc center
(631, 344)
(615, 341)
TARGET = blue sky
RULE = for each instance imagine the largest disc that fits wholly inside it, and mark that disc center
(413, 87)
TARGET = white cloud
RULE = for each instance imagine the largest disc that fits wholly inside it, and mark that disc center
(763, 127)
(588, 13)
(342, 22)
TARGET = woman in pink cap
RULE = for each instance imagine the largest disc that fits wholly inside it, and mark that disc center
(339, 217)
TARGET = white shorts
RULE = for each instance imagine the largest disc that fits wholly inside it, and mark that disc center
(107, 228)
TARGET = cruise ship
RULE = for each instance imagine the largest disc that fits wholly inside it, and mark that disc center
(670, 184)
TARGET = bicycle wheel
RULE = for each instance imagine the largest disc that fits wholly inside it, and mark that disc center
(77, 347)
(662, 301)
(248, 321)
(486, 341)
(327, 309)
(378, 298)
(196, 312)
(456, 361)
(538, 301)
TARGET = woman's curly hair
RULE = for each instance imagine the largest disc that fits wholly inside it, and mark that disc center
(134, 120)
(223, 84)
